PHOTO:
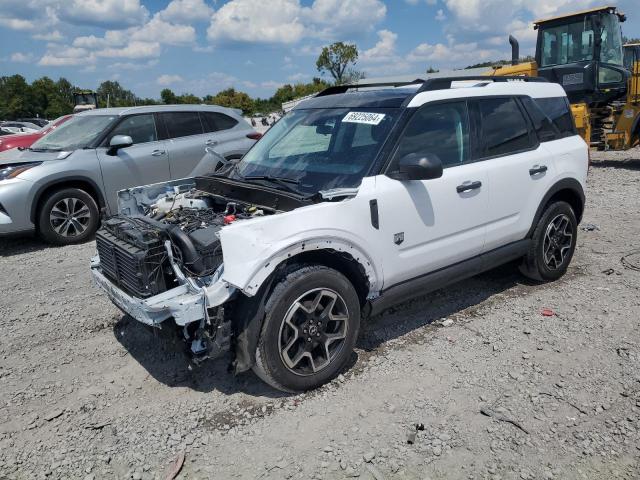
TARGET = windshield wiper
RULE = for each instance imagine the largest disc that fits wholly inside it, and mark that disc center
(31, 149)
(282, 181)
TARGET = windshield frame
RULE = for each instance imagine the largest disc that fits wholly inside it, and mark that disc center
(42, 142)
(275, 135)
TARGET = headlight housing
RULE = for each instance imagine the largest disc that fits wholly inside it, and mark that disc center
(12, 170)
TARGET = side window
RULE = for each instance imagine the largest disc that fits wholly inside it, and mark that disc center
(441, 129)
(559, 111)
(544, 127)
(141, 128)
(182, 124)
(504, 127)
(214, 121)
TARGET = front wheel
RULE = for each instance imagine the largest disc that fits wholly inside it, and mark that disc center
(553, 243)
(311, 324)
(68, 216)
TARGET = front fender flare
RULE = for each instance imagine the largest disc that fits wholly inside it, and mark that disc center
(268, 266)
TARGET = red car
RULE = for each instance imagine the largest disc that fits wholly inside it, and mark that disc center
(25, 140)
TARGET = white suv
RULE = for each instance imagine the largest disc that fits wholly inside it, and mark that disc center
(358, 199)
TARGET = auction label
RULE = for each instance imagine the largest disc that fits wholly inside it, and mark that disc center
(363, 117)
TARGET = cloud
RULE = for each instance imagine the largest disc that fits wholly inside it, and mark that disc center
(186, 11)
(157, 30)
(383, 50)
(54, 36)
(66, 57)
(440, 16)
(16, 23)
(287, 21)
(103, 13)
(166, 80)
(133, 65)
(276, 21)
(19, 57)
(134, 49)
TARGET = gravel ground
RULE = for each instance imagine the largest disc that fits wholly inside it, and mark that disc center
(88, 393)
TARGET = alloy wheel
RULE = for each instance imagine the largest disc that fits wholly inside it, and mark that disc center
(313, 331)
(70, 217)
(557, 242)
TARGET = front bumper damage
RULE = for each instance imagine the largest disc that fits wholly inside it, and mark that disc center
(197, 309)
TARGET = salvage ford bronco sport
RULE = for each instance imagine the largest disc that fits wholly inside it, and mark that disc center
(358, 199)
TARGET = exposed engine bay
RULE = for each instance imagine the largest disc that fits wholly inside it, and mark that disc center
(134, 251)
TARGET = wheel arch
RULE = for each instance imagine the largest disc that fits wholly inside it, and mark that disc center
(568, 190)
(248, 311)
(83, 183)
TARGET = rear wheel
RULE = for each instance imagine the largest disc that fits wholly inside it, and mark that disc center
(68, 216)
(310, 327)
(553, 243)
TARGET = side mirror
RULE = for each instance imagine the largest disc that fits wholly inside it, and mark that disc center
(418, 166)
(117, 142)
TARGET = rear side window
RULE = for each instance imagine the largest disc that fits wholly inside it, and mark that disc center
(441, 129)
(141, 128)
(504, 127)
(182, 124)
(559, 112)
(214, 121)
(544, 127)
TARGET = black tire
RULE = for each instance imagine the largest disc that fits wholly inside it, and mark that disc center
(296, 293)
(68, 216)
(551, 249)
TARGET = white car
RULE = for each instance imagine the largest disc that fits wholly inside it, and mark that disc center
(358, 199)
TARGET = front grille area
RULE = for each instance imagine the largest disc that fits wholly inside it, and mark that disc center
(136, 270)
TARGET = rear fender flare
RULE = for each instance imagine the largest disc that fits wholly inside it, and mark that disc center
(565, 184)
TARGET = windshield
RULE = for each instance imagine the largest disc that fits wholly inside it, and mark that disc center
(575, 42)
(78, 132)
(320, 149)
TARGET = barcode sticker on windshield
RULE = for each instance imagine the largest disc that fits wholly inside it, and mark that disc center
(363, 117)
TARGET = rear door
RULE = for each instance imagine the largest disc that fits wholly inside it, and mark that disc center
(186, 141)
(518, 166)
(226, 135)
(145, 162)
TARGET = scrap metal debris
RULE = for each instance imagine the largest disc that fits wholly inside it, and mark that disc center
(628, 263)
(498, 416)
(590, 227)
(175, 467)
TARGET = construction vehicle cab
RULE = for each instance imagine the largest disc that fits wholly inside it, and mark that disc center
(84, 100)
(582, 52)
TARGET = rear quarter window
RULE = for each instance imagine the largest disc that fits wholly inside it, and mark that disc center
(558, 110)
(215, 122)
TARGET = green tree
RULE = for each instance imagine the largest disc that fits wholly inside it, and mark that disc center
(336, 58)
(168, 97)
(16, 98)
(233, 99)
(432, 70)
(113, 94)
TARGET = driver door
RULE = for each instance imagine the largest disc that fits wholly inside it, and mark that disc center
(145, 162)
(427, 225)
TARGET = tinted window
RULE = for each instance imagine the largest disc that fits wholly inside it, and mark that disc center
(213, 121)
(182, 124)
(441, 129)
(141, 128)
(504, 128)
(544, 127)
(559, 111)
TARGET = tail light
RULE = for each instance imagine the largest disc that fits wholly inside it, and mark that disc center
(254, 135)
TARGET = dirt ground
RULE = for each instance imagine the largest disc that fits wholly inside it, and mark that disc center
(88, 393)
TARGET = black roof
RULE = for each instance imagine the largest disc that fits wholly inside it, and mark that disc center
(395, 94)
(377, 98)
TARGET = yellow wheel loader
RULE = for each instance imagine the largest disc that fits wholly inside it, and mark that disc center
(583, 52)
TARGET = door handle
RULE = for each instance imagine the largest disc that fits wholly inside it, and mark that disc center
(536, 169)
(468, 186)
(211, 143)
(157, 153)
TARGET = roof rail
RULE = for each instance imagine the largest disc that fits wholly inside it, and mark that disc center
(336, 89)
(443, 83)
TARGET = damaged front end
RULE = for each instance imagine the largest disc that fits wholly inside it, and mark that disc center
(161, 258)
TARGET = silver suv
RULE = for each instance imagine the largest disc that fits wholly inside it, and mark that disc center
(60, 184)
